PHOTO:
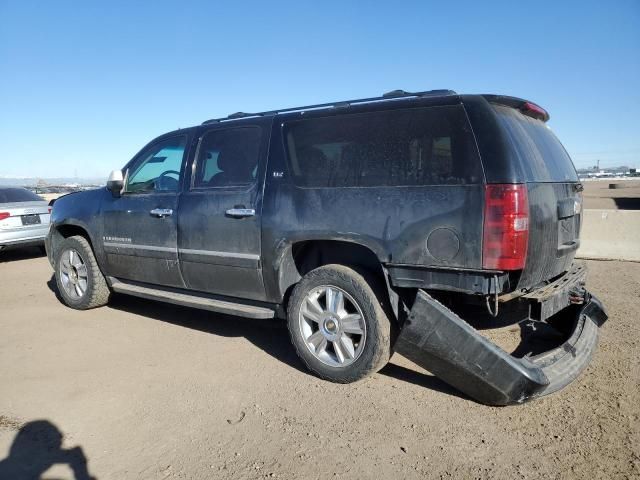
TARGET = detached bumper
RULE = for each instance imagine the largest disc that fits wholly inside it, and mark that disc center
(438, 340)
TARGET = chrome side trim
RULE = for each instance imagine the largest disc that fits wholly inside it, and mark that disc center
(214, 253)
(246, 260)
(133, 246)
(213, 257)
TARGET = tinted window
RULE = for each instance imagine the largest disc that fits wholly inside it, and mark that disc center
(158, 167)
(422, 146)
(228, 158)
(542, 156)
(11, 195)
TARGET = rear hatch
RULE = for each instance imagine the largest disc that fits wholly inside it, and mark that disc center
(555, 201)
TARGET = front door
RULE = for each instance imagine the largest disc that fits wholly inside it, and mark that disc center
(140, 226)
(219, 215)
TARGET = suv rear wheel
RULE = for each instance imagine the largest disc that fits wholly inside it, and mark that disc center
(338, 324)
(80, 282)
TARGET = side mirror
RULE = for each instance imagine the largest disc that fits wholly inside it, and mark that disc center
(115, 183)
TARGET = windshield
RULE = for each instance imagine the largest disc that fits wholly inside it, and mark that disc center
(542, 156)
(15, 195)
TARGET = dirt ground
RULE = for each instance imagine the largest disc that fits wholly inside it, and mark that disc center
(597, 194)
(147, 390)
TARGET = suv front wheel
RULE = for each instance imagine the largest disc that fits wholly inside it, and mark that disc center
(80, 282)
(338, 324)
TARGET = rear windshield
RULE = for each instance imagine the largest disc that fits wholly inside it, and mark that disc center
(14, 195)
(542, 156)
(420, 146)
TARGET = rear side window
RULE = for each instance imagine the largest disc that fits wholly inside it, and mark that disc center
(421, 146)
(16, 195)
(228, 158)
(540, 153)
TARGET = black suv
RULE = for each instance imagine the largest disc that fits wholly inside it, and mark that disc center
(371, 225)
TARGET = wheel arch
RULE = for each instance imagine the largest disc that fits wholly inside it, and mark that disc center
(300, 257)
(65, 230)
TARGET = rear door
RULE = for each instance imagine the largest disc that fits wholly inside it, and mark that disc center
(555, 201)
(219, 236)
(140, 226)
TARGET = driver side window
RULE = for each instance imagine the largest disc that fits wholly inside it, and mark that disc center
(158, 168)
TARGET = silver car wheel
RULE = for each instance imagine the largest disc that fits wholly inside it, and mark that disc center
(73, 273)
(332, 326)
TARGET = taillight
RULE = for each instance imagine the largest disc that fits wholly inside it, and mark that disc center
(506, 227)
(50, 209)
(4, 215)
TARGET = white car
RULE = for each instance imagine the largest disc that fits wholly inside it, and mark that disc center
(24, 218)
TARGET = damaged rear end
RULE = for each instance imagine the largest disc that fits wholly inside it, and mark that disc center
(531, 227)
(438, 339)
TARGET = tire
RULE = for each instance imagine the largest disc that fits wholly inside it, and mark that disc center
(90, 289)
(319, 337)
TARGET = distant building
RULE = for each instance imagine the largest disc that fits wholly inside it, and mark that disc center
(611, 172)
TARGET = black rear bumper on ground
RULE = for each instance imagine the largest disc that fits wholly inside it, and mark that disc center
(437, 339)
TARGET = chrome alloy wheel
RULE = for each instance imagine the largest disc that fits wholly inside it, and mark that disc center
(332, 326)
(73, 273)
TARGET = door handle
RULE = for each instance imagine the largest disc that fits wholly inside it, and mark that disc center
(241, 212)
(161, 212)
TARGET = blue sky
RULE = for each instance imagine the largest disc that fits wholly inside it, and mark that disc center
(84, 85)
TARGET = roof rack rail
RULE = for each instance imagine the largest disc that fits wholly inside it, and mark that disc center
(392, 95)
(233, 116)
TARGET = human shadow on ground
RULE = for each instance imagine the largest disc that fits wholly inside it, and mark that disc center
(37, 447)
(270, 336)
